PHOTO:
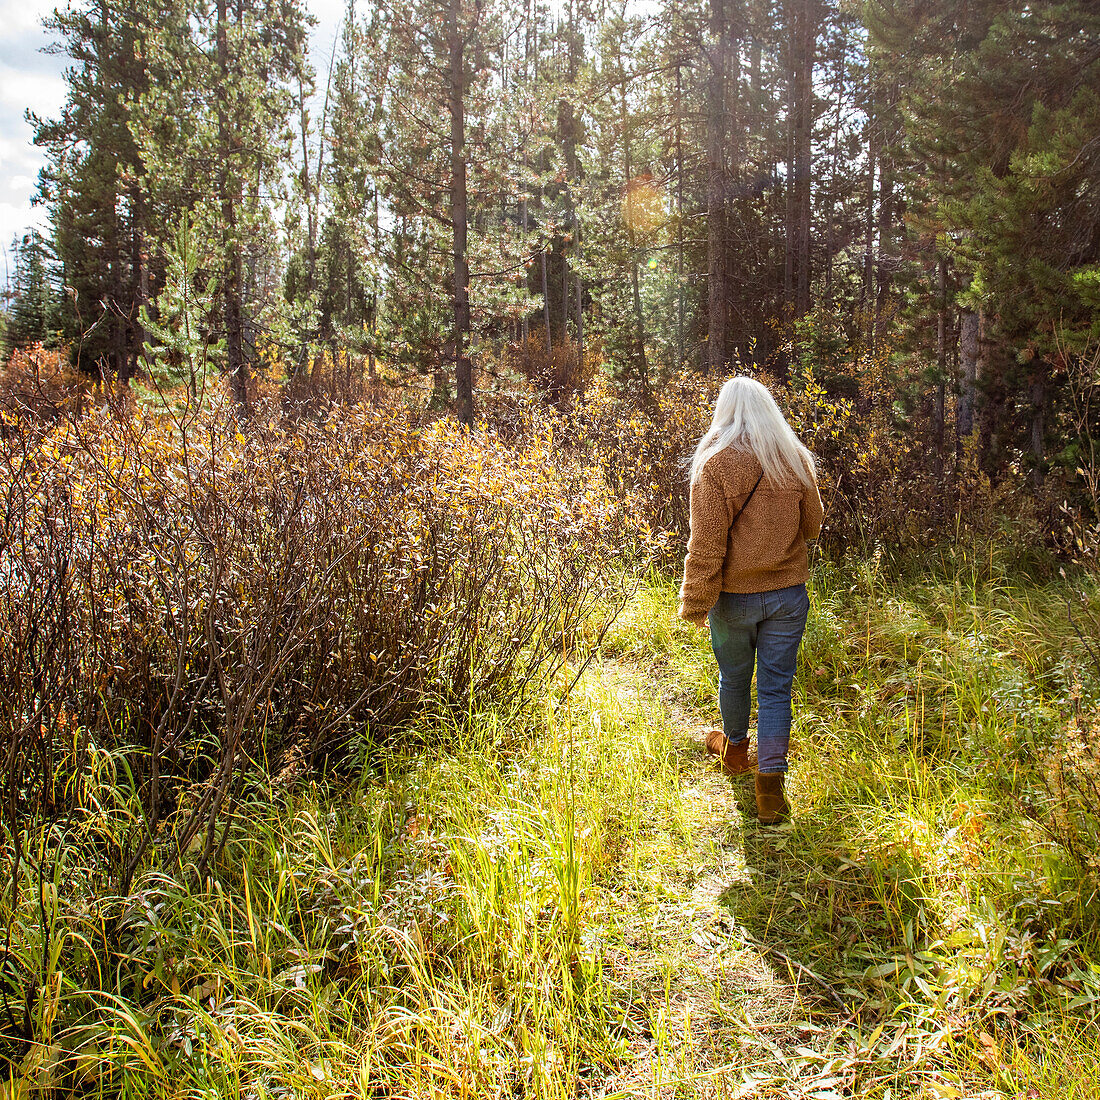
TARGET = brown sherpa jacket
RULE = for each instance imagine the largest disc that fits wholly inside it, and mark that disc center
(765, 549)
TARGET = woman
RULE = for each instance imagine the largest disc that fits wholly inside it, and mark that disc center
(754, 503)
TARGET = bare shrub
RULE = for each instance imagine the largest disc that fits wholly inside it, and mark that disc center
(560, 373)
(197, 599)
(326, 380)
(38, 385)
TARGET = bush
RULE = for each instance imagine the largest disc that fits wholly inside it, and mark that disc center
(558, 373)
(38, 385)
(640, 454)
(184, 599)
(878, 487)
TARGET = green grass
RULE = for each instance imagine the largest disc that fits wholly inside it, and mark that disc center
(586, 907)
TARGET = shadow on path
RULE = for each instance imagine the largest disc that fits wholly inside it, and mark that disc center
(843, 918)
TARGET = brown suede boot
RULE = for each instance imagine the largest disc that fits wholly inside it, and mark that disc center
(735, 758)
(771, 802)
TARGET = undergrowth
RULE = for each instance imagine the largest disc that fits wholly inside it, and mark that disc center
(584, 907)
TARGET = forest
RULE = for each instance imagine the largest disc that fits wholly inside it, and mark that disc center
(349, 738)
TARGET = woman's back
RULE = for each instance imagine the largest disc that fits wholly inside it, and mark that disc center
(764, 550)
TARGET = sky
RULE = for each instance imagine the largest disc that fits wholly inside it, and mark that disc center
(32, 79)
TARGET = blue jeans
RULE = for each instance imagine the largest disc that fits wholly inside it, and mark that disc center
(765, 628)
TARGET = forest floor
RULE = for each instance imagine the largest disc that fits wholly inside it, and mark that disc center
(577, 903)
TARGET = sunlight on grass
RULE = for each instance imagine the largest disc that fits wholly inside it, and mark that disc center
(575, 902)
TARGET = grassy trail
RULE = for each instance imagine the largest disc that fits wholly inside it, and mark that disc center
(725, 1006)
(723, 1011)
(913, 933)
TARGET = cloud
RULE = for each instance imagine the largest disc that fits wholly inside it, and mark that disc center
(18, 16)
(16, 219)
(24, 49)
(43, 93)
(19, 164)
(31, 79)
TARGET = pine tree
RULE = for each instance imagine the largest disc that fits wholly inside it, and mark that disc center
(214, 141)
(91, 181)
(1001, 109)
(33, 298)
(444, 160)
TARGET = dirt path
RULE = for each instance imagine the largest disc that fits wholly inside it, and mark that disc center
(713, 1014)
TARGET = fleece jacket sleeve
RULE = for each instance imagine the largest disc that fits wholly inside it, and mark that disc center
(812, 512)
(710, 524)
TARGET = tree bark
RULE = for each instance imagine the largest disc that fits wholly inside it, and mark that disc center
(139, 277)
(885, 213)
(679, 221)
(546, 305)
(716, 189)
(1037, 392)
(834, 168)
(311, 225)
(807, 40)
(941, 369)
(456, 103)
(969, 352)
(790, 49)
(865, 292)
(641, 363)
(231, 272)
(994, 397)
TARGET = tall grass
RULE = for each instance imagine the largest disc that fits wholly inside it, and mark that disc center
(423, 932)
(584, 907)
(938, 883)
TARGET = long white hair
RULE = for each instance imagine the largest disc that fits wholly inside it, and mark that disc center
(747, 418)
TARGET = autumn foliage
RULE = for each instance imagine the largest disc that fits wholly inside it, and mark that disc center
(205, 596)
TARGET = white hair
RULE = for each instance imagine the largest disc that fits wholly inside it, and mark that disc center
(747, 418)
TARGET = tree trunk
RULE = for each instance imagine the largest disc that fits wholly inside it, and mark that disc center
(231, 271)
(941, 369)
(567, 127)
(1037, 392)
(994, 398)
(526, 324)
(885, 215)
(679, 222)
(834, 169)
(865, 291)
(790, 50)
(641, 364)
(716, 189)
(807, 41)
(311, 225)
(546, 304)
(580, 320)
(969, 351)
(139, 278)
(456, 103)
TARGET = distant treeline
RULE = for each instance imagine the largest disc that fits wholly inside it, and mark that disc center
(472, 185)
